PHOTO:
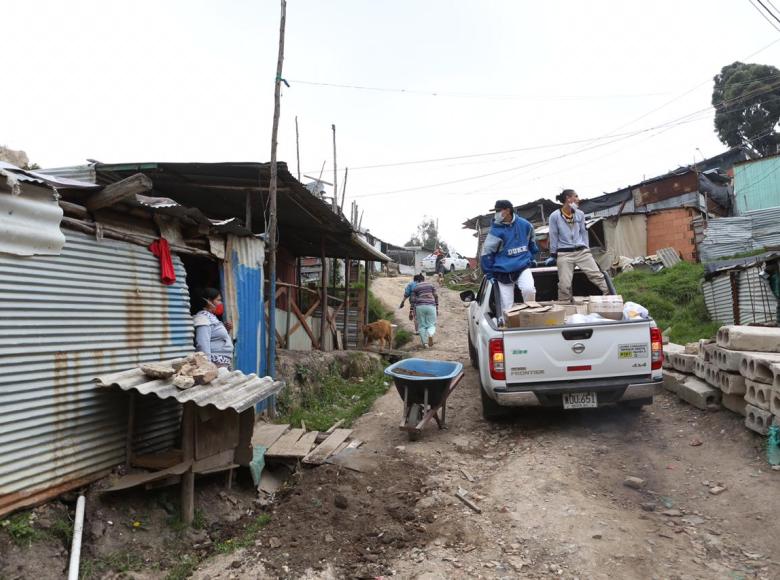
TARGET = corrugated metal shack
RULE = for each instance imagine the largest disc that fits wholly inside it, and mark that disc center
(743, 291)
(81, 295)
(757, 184)
(754, 230)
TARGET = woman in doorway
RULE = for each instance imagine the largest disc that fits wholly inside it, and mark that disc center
(211, 336)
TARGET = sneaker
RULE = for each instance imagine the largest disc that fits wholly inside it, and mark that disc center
(430, 341)
(425, 346)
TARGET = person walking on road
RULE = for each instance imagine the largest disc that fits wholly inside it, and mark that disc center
(425, 301)
(570, 246)
(507, 255)
(408, 296)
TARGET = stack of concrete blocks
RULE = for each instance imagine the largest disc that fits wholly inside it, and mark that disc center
(740, 370)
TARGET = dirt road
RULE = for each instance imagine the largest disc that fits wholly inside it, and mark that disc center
(551, 490)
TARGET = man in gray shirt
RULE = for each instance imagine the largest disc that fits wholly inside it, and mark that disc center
(570, 247)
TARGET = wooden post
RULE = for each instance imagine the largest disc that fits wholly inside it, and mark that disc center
(344, 190)
(335, 174)
(345, 331)
(323, 297)
(297, 148)
(119, 191)
(272, 188)
(248, 211)
(367, 280)
(188, 454)
(290, 298)
(130, 429)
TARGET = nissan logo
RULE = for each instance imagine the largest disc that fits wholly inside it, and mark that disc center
(578, 348)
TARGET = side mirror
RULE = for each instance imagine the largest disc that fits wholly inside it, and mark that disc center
(468, 296)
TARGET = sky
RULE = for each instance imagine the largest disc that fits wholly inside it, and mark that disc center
(515, 99)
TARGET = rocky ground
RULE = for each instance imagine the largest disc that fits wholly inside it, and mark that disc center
(550, 486)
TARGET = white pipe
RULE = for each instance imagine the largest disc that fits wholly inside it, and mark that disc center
(75, 549)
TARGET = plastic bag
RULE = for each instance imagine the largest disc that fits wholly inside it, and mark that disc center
(587, 319)
(632, 310)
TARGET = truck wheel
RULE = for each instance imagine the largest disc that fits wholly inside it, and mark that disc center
(472, 353)
(490, 409)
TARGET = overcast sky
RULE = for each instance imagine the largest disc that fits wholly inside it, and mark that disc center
(123, 81)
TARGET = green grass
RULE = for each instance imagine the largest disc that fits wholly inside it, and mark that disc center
(20, 529)
(336, 399)
(402, 337)
(122, 561)
(674, 298)
(247, 537)
(183, 568)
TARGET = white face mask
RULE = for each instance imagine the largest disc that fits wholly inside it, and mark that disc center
(499, 216)
(574, 206)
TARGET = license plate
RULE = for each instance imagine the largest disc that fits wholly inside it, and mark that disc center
(579, 400)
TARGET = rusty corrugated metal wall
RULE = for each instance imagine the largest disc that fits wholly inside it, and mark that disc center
(97, 308)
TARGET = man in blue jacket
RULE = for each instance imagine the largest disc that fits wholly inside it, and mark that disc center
(507, 255)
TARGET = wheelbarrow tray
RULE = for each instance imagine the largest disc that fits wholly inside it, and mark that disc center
(441, 375)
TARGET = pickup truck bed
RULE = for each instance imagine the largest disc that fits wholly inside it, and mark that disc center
(569, 366)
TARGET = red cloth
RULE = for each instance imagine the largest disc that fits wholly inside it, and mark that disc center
(162, 250)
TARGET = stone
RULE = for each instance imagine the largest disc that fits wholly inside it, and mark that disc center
(183, 382)
(329, 539)
(597, 536)
(648, 506)
(691, 348)
(725, 359)
(757, 394)
(673, 513)
(673, 380)
(757, 366)
(751, 338)
(717, 490)
(157, 370)
(275, 543)
(699, 394)
(734, 403)
(730, 383)
(758, 420)
(340, 502)
(634, 482)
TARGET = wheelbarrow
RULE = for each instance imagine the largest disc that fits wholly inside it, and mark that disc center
(424, 385)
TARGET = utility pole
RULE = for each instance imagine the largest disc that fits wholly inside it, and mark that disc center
(335, 173)
(344, 189)
(272, 187)
(297, 148)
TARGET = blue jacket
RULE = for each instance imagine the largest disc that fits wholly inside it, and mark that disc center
(509, 247)
(408, 290)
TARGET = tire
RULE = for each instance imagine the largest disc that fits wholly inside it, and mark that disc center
(472, 353)
(491, 410)
(452, 267)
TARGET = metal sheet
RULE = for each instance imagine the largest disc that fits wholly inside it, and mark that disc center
(99, 307)
(764, 225)
(235, 390)
(31, 222)
(718, 299)
(756, 301)
(757, 184)
(726, 237)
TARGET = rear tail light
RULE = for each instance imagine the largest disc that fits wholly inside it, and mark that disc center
(656, 348)
(497, 369)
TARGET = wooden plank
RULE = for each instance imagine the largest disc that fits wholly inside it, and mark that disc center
(215, 431)
(218, 460)
(266, 434)
(119, 191)
(285, 443)
(135, 479)
(298, 448)
(327, 447)
(157, 461)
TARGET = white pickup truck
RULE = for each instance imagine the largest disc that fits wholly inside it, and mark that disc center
(570, 366)
(452, 261)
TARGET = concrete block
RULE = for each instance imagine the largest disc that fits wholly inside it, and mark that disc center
(734, 403)
(774, 401)
(757, 420)
(703, 370)
(699, 394)
(705, 349)
(711, 375)
(683, 363)
(755, 338)
(775, 368)
(673, 380)
(757, 366)
(725, 359)
(757, 394)
(731, 383)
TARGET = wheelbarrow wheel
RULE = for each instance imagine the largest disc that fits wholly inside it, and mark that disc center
(414, 416)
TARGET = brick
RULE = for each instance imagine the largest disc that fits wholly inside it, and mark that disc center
(757, 394)
(731, 383)
(757, 366)
(734, 403)
(699, 394)
(725, 359)
(774, 401)
(757, 420)
(750, 338)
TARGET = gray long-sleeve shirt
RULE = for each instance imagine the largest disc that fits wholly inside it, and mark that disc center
(211, 336)
(567, 236)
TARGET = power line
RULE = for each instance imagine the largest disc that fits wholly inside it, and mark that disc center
(765, 17)
(772, 14)
(468, 95)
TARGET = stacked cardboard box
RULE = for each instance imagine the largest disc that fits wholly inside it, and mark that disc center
(740, 370)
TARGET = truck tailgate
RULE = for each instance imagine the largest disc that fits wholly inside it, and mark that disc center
(578, 352)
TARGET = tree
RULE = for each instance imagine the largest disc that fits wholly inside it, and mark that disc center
(427, 236)
(746, 98)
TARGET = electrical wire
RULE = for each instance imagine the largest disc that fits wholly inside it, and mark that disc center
(772, 14)
(765, 17)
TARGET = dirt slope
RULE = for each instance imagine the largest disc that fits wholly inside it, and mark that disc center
(550, 486)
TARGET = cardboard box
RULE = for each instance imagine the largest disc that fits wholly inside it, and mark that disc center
(525, 315)
(607, 306)
(568, 307)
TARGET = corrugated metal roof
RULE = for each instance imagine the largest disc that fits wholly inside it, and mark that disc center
(765, 226)
(234, 390)
(726, 237)
(99, 307)
(41, 178)
(31, 222)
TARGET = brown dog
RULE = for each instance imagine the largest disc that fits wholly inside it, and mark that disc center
(379, 330)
